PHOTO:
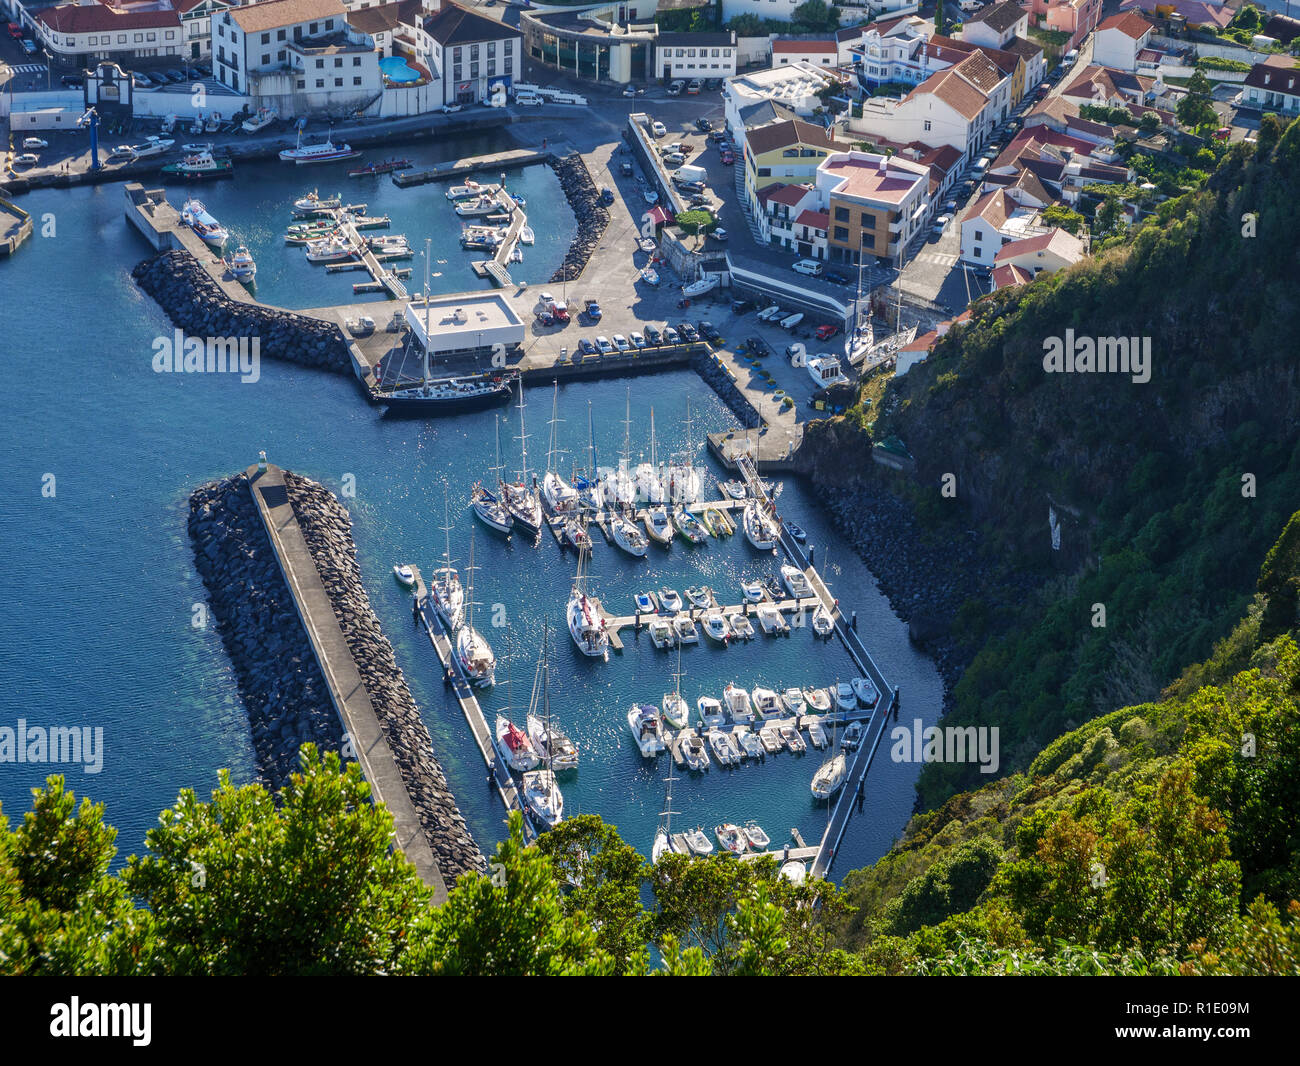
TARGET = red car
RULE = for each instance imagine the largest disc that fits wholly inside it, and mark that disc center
(15, 31)
(825, 333)
(728, 159)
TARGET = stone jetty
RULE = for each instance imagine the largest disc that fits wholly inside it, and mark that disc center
(592, 216)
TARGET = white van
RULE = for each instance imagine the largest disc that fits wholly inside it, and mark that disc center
(528, 100)
(792, 321)
(970, 5)
(810, 267)
(770, 313)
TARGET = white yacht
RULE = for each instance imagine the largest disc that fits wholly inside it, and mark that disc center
(823, 623)
(794, 701)
(750, 746)
(586, 626)
(662, 633)
(738, 704)
(694, 751)
(473, 652)
(825, 372)
(659, 525)
(796, 581)
(771, 619)
(845, 698)
(741, 627)
(767, 704)
(628, 537)
(552, 743)
(490, 510)
(758, 840)
(725, 750)
(670, 600)
(760, 530)
(647, 729)
(515, 747)
(715, 626)
(543, 798)
(829, 778)
(699, 843)
(687, 632)
(865, 691)
(197, 217)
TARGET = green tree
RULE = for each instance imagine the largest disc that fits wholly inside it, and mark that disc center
(694, 221)
(1062, 216)
(1195, 109)
(1149, 123)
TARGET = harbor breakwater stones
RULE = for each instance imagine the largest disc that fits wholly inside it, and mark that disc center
(195, 304)
(592, 216)
(279, 680)
(720, 382)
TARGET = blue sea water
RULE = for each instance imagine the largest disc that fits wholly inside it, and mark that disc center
(100, 455)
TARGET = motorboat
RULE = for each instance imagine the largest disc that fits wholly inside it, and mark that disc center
(699, 288)
(543, 798)
(738, 704)
(699, 843)
(689, 526)
(741, 627)
(771, 619)
(717, 521)
(490, 510)
(715, 626)
(196, 147)
(823, 622)
(760, 530)
(552, 743)
(793, 738)
(816, 734)
(771, 739)
(829, 778)
(767, 704)
(662, 633)
(650, 276)
(687, 632)
(700, 596)
(796, 581)
(647, 729)
(405, 575)
(197, 217)
(758, 840)
(825, 372)
(645, 603)
(797, 533)
(795, 872)
(242, 265)
(658, 525)
(754, 591)
(526, 235)
(732, 838)
(586, 626)
(151, 146)
(475, 656)
(670, 600)
(676, 710)
(818, 699)
(845, 698)
(325, 152)
(750, 746)
(865, 691)
(725, 750)
(646, 244)
(710, 711)
(331, 249)
(470, 190)
(199, 166)
(515, 747)
(852, 736)
(628, 537)
(482, 205)
(794, 701)
(733, 489)
(695, 752)
(368, 221)
(315, 204)
(264, 117)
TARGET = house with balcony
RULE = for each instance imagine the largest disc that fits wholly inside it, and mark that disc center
(875, 204)
(1011, 64)
(473, 53)
(783, 153)
(1271, 86)
(1120, 39)
(411, 78)
(995, 220)
(779, 206)
(885, 53)
(196, 25)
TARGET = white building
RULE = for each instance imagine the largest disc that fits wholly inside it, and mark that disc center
(995, 220)
(996, 24)
(473, 53)
(796, 87)
(460, 324)
(815, 53)
(689, 56)
(1119, 40)
(82, 33)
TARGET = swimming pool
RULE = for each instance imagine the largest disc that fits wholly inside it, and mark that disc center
(394, 68)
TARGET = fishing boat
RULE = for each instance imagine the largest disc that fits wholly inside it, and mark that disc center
(710, 711)
(200, 166)
(700, 596)
(724, 749)
(737, 702)
(741, 627)
(489, 509)
(385, 166)
(543, 798)
(771, 738)
(823, 622)
(516, 256)
(750, 746)
(699, 843)
(753, 591)
(405, 575)
(264, 117)
(650, 276)
(767, 704)
(670, 600)
(793, 738)
(829, 778)
(662, 633)
(646, 244)
(695, 752)
(772, 620)
(688, 525)
(526, 235)
(732, 838)
(314, 204)
(515, 747)
(647, 729)
(627, 536)
(663, 838)
(368, 221)
(325, 152)
(687, 633)
(586, 626)
(445, 591)
(816, 733)
(760, 530)
(482, 205)
(852, 736)
(794, 702)
(818, 699)
(465, 192)
(865, 691)
(758, 840)
(845, 698)
(472, 651)
(715, 627)
(645, 602)
(796, 581)
(560, 497)
(197, 217)
(242, 265)
(330, 249)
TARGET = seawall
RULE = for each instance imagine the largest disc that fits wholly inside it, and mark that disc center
(592, 216)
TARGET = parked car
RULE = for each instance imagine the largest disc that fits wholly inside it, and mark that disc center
(698, 200)
(687, 185)
(606, 196)
(836, 277)
(693, 87)
(15, 31)
(29, 46)
(740, 307)
(718, 136)
(637, 339)
(758, 347)
(940, 224)
(718, 233)
(621, 343)
(675, 89)
(728, 159)
(703, 125)
(671, 336)
(73, 81)
(652, 336)
(604, 345)
(709, 332)
(658, 129)
(687, 331)
(593, 310)
(827, 331)
(586, 347)
(34, 142)
(174, 76)
(674, 159)
(545, 318)
(625, 169)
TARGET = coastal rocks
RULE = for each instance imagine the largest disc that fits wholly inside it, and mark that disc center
(718, 380)
(196, 305)
(327, 529)
(278, 679)
(592, 217)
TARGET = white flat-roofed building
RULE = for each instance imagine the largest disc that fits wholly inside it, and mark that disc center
(465, 325)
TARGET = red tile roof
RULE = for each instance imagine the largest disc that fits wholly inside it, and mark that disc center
(803, 46)
(1129, 23)
(815, 219)
(94, 18)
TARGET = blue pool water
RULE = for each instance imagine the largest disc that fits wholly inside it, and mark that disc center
(394, 68)
(100, 584)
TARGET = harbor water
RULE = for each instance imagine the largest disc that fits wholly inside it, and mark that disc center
(99, 628)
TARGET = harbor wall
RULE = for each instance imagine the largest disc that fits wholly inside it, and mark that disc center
(16, 229)
(592, 216)
(197, 305)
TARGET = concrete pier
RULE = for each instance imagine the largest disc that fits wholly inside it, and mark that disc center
(347, 691)
(464, 168)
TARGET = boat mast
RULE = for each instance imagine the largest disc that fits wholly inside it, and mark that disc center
(446, 528)
(523, 437)
(555, 411)
(627, 437)
(591, 447)
(428, 243)
(497, 468)
(469, 571)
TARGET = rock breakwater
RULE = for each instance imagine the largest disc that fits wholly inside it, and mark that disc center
(592, 216)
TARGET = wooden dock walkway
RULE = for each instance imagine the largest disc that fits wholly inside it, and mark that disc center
(380, 273)
(469, 706)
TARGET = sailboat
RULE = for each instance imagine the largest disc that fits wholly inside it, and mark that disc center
(663, 841)
(520, 497)
(760, 530)
(444, 586)
(584, 617)
(676, 710)
(646, 475)
(489, 508)
(435, 396)
(549, 739)
(829, 778)
(859, 340)
(682, 482)
(587, 483)
(560, 496)
(542, 793)
(472, 651)
(618, 489)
